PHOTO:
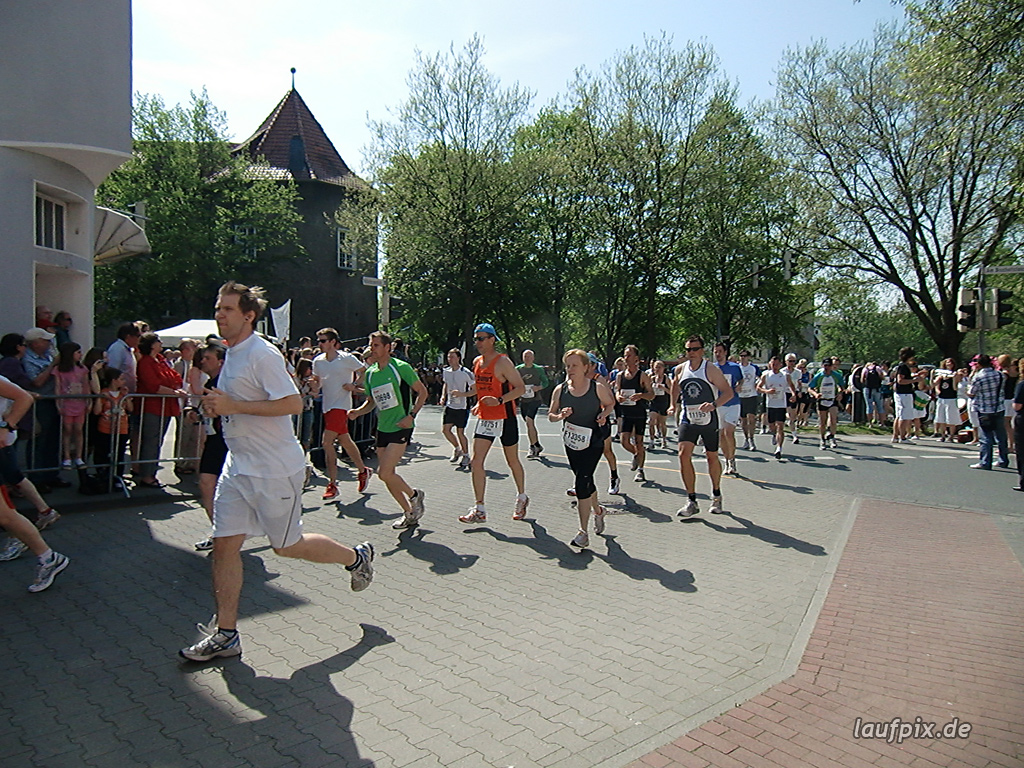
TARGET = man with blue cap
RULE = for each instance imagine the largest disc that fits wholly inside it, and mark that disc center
(498, 386)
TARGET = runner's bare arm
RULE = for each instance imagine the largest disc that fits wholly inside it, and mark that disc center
(722, 384)
(553, 409)
(607, 403)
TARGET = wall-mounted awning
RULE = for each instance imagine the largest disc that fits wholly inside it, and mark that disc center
(117, 237)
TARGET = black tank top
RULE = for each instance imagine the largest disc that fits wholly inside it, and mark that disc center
(946, 389)
(585, 408)
(639, 407)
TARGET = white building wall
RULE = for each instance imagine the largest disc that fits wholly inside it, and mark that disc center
(65, 124)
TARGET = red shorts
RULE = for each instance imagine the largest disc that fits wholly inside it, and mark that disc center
(336, 420)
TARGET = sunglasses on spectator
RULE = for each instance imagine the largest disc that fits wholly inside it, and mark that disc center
(480, 338)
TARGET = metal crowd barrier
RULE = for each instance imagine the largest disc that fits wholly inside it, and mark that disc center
(40, 460)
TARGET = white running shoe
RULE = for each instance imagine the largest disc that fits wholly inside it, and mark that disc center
(582, 540)
(778, 453)
(640, 476)
(716, 505)
(362, 574)
(475, 515)
(522, 502)
(416, 505)
(456, 455)
(212, 646)
(599, 514)
(613, 487)
(47, 572)
(689, 510)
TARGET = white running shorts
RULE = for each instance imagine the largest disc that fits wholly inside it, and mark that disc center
(259, 506)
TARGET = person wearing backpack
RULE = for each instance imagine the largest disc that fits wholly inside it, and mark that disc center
(871, 377)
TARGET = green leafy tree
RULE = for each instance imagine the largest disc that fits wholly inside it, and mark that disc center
(558, 224)
(451, 191)
(207, 216)
(640, 115)
(732, 283)
(895, 181)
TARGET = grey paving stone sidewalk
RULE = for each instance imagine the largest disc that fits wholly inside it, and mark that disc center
(484, 645)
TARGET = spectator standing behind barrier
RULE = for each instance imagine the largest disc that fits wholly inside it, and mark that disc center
(1018, 426)
(986, 395)
(62, 328)
(1011, 373)
(156, 377)
(121, 355)
(187, 440)
(871, 382)
(72, 381)
(112, 410)
(39, 364)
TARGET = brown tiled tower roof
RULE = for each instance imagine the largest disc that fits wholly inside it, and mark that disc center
(295, 146)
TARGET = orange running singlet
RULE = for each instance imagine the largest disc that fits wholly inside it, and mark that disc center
(488, 385)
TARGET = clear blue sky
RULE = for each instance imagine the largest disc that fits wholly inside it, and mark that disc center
(353, 58)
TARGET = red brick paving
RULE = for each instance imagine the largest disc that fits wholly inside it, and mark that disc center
(925, 617)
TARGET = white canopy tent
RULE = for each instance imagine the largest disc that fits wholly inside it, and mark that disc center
(190, 329)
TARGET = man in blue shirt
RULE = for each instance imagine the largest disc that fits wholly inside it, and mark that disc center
(728, 414)
(39, 363)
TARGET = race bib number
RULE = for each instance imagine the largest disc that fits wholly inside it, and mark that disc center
(659, 389)
(576, 438)
(385, 396)
(697, 417)
(529, 391)
(489, 427)
(626, 394)
(230, 427)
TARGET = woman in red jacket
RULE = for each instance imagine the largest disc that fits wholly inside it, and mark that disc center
(155, 377)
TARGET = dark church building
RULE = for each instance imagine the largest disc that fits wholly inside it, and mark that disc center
(325, 287)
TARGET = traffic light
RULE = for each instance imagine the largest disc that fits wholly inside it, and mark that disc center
(997, 309)
(788, 265)
(968, 306)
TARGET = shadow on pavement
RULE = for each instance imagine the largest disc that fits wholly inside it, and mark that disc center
(765, 485)
(633, 506)
(545, 545)
(623, 562)
(776, 538)
(306, 703)
(363, 514)
(444, 560)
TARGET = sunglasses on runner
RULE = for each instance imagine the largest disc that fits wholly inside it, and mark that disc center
(694, 349)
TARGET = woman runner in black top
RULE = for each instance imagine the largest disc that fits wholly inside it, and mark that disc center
(583, 406)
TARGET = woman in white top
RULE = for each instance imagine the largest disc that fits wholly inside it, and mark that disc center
(459, 386)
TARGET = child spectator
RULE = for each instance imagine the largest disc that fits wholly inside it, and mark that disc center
(72, 378)
(111, 410)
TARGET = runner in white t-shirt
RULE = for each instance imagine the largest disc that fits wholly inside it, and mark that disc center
(778, 388)
(340, 374)
(260, 489)
(749, 399)
(459, 386)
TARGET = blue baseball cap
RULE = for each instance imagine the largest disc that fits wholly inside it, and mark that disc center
(488, 329)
